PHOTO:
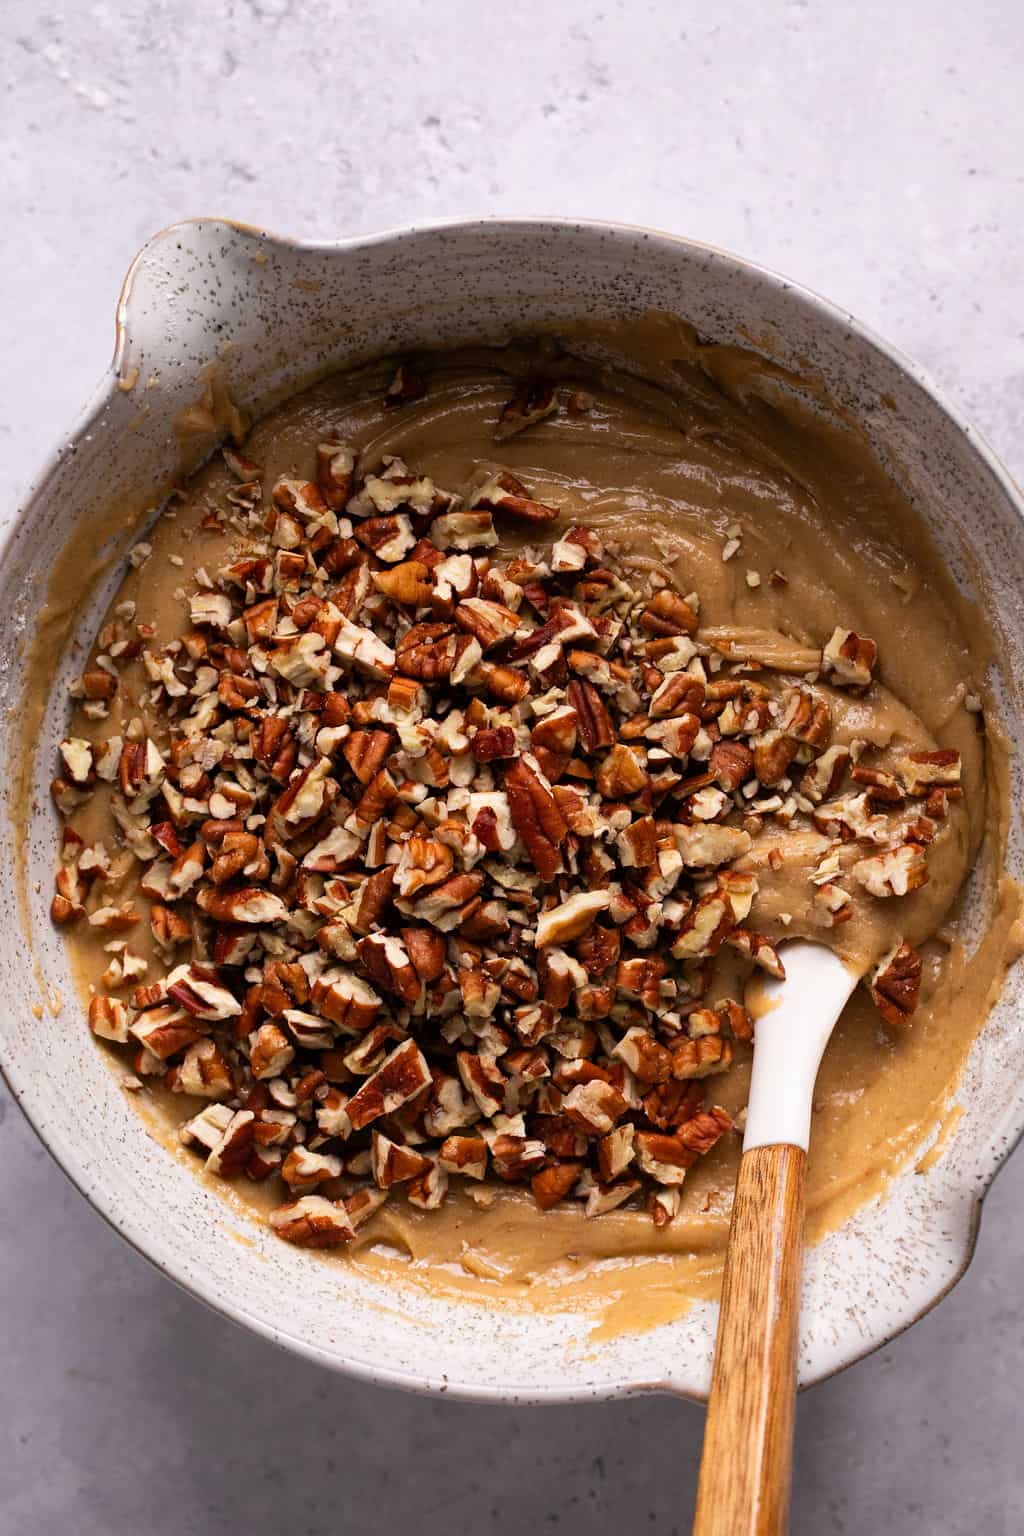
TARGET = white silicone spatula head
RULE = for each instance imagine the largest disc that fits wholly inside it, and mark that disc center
(794, 1020)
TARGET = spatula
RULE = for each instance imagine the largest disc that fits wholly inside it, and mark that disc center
(748, 1437)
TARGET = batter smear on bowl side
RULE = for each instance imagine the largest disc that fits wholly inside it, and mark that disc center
(458, 746)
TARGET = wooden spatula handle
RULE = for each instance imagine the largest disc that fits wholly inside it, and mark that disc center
(748, 1439)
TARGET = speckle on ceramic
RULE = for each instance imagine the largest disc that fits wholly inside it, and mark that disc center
(274, 313)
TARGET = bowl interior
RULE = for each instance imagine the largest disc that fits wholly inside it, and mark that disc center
(271, 315)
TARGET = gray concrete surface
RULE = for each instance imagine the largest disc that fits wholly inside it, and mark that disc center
(870, 150)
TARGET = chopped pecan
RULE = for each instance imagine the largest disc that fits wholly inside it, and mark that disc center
(533, 401)
(882, 788)
(503, 684)
(407, 386)
(536, 817)
(346, 1000)
(434, 652)
(706, 845)
(668, 614)
(621, 775)
(378, 795)
(274, 746)
(646, 1057)
(849, 659)
(313, 1222)
(366, 752)
(552, 1184)
(494, 742)
(394, 1164)
(571, 918)
(248, 904)
(483, 1080)
(426, 951)
(705, 928)
(108, 1019)
(896, 872)
(594, 1107)
(464, 530)
(663, 1158)
(677, 694)
(755, 947)
(702, 1132)
(922, 772)
(386, 962)
(593, 720)
(466, 1155)
(270, 1052)
(402, 1077)
(773, 753)
(488, 622)
(895, 984)
(335, 471)
(303, 1170)
(824, 777)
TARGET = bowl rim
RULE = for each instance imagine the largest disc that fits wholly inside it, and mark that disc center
(91, 1188)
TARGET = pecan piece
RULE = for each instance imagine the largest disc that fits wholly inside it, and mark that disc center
(678, 694)
(552, 1184)
(402, 1077)
(593, 720)
(313, 1222)
(757, 948)
(483, 1080)
(346, 1000)
(663, 1158)
(433, 652)
(921, 772)
(536, 817)
(488, 622)
(394, 1164)
(270, 1052)
(896, 872)
(249, 904)
(571, 918)
(668, 614)
(108, 1019)
(387, 963)
(824, 778)
(494, 742)
(504, 493)
(706, 1128)
(273, 745)
(773, 753)
(646, 1057)
(849, 659)
(700, 1057)
(502, 684)
(533, 401)
(622, 775)
(895, 984)
(335, 471)
(598, 950)
(594, 1108)
(366, 752)
(406, 386)
(464, 1154)
(408, 584)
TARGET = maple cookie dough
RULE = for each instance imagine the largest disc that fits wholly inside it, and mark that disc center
(458, 746)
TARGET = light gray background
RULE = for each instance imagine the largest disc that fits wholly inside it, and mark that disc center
(872, 151)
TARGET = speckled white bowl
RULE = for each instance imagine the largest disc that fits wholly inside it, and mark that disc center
(276, 312)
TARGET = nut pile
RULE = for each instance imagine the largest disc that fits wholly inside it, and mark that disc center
(438, 848)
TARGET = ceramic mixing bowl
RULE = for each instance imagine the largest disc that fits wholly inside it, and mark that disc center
(273, 313)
